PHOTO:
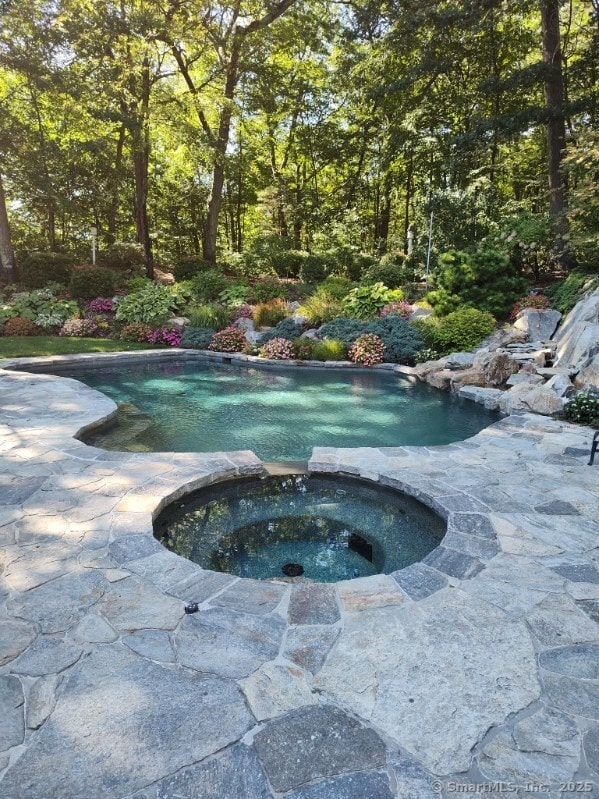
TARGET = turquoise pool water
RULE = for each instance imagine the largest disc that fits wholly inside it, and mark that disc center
(332, 528)
(280, 414)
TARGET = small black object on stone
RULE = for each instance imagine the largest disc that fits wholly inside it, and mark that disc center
(293, 570)
(594, 448)
(193, 607)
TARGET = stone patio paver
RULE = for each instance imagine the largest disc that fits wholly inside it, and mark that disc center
(478, 665)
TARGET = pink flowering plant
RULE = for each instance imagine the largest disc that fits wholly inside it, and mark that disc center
(231, 339)
(100, 305)
(243, 311)
(367, 350)
(277, 349)
(79, 328)
(170, 336)
(136, 331)
(403, 309)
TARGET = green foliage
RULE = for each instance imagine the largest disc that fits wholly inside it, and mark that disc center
(459, 330)
(334, 287)
(314, 268)
(35, 304)
(303, 349)
(426, 354)
(197, 338)
(189, 268)
(234, 295)
(392, 275)
(122, 257)
(364, 302)
(286, 328)
(319, 309)
(402, 341)
(581, 164)
(151, 305)
(245, 264)
(269, 288)
(565, 294)
(231, 339)
(136, 331)
(329, 350)
(583, 409)
(40, 268)
(211, 315)
(136, 283)
(93, 281)
(367, 350)
(271, 313)
(486, 280)
(288, 263)
(207, 285)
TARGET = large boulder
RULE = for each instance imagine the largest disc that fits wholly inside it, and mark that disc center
(562, 385)
(178, 321)
(589, 376)
(440, 379)
(420, 313)
(489, 397)
(498, 368)
(459, 360)
(538, 325)
(578, 336)
(530, 398)
(524, 376)
(468, 377)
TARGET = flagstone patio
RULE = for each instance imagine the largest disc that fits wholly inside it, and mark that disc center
(477, 667)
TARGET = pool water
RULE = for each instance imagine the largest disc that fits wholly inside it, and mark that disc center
(332, 528)
(280, 414)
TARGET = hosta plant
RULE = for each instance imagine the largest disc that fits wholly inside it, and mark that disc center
(231, 339)
(364, 302)
(277, 349)
(367, 350)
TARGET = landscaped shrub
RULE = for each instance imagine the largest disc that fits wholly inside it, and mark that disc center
(135, 284)
(40, 268)
(314, 268)
(319, 310)
(234, 295)
(583, 409)
(211, 315)
(79, 328)
(267, 289)
(245, 264)
(392, 275)
(367, 350)
(565, 294)
(329, 350)
(426, 354)
(197, 338)
(19, 326)
(122, 257)
(231, 339)
(33, 304)
(303, 349)
(243, 311)
(334, 287)
(206, 286)
(100, 305)
(287, 329)
(364, 302)
(267, 314)
(277, 349)
(287, 263)
(151, 305)
(189, 268)
(135, 331)
(402, 341)
(88, 282)
(460, 330)
(170, 336)
(538, 302)
(49, 322)
(486, 280)
(401, 308)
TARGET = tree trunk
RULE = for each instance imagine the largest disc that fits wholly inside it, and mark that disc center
(554, 106)
(220, 147)
(114, 200)
(406, 216)
(141, 160)
(8, 263)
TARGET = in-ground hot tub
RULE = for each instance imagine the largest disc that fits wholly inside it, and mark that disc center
(279, 413)
(319, 528)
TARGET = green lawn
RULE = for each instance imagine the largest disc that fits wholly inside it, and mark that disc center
(28, 346)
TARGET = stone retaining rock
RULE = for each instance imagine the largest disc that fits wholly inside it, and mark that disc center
(589, 376)
(539, 325)
(525, 397)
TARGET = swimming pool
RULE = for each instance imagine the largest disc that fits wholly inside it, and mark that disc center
(280, 414)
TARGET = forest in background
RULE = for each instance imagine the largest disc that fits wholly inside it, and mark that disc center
(203, 129)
